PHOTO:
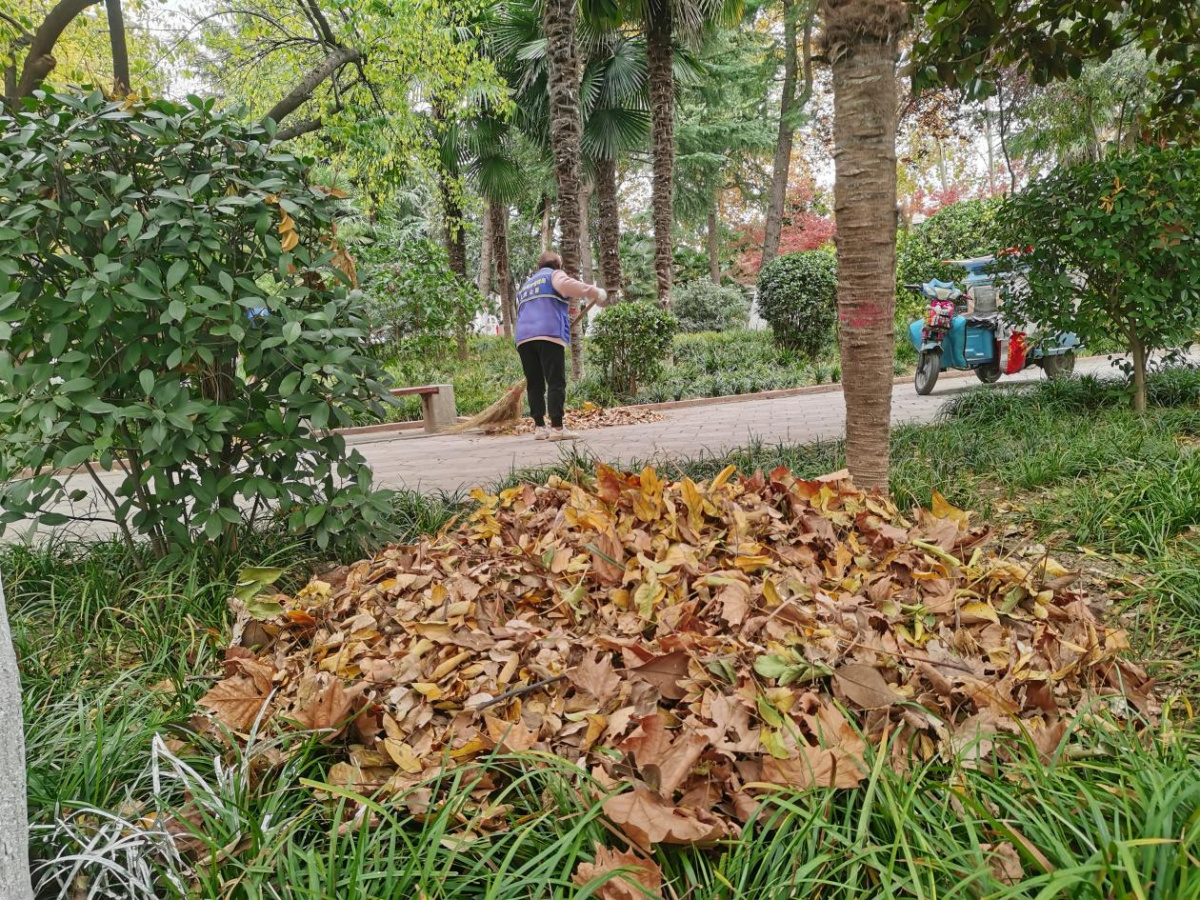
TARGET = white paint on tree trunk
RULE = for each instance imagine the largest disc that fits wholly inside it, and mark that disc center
(14, 818)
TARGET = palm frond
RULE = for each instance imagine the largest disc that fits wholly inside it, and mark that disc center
(611, 131)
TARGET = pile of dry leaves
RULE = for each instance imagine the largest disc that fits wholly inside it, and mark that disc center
(696, 642)
(590, 416)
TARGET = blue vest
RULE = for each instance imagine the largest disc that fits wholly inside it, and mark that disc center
(542, 312)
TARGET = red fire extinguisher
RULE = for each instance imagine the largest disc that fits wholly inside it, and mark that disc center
(1016, 353)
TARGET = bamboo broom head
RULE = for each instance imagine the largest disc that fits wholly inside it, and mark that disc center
(505, 411)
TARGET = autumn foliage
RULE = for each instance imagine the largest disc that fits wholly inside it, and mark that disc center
(692, 646)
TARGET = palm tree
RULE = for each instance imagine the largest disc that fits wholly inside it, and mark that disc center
(612, 99)
(615, 121)
(497, 175)
(662, 22)
(562, 66)
(861, 38)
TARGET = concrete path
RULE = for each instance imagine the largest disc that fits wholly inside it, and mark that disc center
(459, 462)
(456, 462)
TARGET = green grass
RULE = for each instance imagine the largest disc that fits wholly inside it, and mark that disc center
(708, 364)
(115, 650)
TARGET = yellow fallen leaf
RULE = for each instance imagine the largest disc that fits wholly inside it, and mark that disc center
(978, 612)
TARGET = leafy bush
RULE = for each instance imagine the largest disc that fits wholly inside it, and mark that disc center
(1114, 252)
(417, 300)
(701, 305)
(961, 231)
(130, 331)
(630, 342)
(797, 296)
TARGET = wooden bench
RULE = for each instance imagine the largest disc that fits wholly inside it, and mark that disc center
(437, 405)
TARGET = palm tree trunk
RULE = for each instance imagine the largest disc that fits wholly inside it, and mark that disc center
(714, 246)
(484, 280)
(558, 23)
(120, 53)
(456, 250)
(587, 264)
(610, 224)
(547, 224)
(498, 216)
(861, 38)
(659, 62)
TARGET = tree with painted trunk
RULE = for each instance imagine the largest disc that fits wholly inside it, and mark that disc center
(860, 42)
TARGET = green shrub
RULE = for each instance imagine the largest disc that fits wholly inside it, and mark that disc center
(630, 342)
(797, 296)
(701, 305)
(129, 328)
(416, 301)
(961, 231)
(1113, 255)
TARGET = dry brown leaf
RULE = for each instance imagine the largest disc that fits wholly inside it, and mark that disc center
(636, 878)
(646, 819)
(864, 686)
(236, 702)
(1004, 861)
(330, 708)
(595, 675)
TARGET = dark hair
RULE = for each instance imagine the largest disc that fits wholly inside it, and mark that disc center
(549, 260)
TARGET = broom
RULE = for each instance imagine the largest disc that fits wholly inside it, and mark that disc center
(507, 410)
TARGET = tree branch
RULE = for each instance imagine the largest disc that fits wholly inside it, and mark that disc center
(40, 61)
(304, 90)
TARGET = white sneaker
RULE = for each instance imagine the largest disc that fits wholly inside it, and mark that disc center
(541, 433)
(562, 434)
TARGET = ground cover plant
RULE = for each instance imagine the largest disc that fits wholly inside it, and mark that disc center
(111, 656)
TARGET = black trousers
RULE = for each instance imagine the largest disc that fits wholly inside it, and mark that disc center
(545, 365)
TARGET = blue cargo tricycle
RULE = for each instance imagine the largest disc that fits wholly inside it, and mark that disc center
(964, 329)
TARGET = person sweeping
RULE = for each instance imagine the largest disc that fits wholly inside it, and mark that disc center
(543, 335)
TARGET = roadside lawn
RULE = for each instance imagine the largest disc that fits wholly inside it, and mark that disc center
(115, 651)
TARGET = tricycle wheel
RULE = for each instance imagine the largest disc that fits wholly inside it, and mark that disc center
(989, 373)
(929, 366)
(1060, 365)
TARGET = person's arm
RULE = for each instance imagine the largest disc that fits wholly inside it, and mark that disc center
(575, 289)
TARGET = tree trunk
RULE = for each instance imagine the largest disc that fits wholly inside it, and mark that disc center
(558, 24)
(610, 224)
(1003, 123)
(14, 835)
(120, 53)
(783, 142)
(861, 38)
(498, 215)
(39, 62)
(455, 240)
(1138, 350)
(714, 246)
(587, 265)
(484, 280)
(659, 62)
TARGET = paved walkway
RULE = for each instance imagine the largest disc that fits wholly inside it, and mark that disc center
(460, 462)
(454, 462)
